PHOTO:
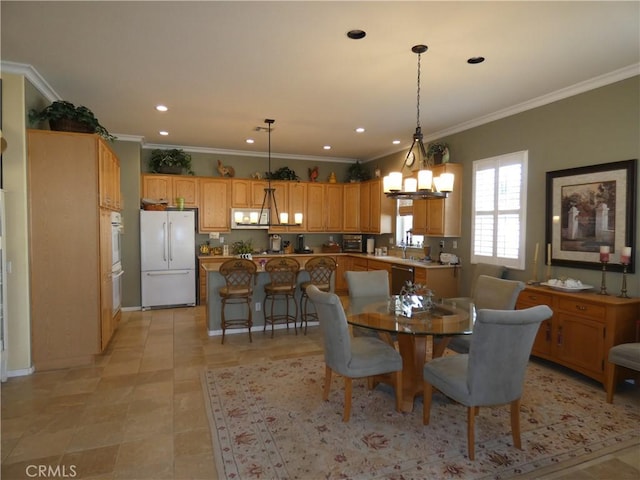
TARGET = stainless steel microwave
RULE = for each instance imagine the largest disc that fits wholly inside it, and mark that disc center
(352, 243)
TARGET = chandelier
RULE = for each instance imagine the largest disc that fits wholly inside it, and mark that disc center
(274, 218)
(425, 186)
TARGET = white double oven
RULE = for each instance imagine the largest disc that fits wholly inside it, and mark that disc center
(116, 260)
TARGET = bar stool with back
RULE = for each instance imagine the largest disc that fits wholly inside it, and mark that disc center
(283, 275)
(239, 275)
(320, 270)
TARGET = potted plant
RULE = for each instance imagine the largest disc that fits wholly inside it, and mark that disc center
(357, 173)
(438, 151)
(64, 116)
(172, 161)
(242, 247)
(284, 173)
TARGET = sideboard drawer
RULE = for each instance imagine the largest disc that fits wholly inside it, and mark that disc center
(534, 298)
(583, 309)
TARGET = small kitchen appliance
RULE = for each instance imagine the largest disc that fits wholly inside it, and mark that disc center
(275, 243)
(300, 246)
(352, 243)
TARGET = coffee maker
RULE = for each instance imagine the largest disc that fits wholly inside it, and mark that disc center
(300, 246)
(275, 243)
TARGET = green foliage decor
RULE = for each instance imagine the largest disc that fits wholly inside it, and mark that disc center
(61, 110)
(242, 247)
(284, 173)
(357, 173)
(173, 158)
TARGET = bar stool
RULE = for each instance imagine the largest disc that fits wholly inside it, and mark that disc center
(283, 274)
(320, 270)
(239, 276)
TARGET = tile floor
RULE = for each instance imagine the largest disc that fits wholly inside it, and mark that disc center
(139, 411)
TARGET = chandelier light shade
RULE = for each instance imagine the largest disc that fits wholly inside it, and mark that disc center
(269, 203)
(425, 186)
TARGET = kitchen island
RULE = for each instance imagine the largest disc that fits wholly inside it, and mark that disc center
(443, 279)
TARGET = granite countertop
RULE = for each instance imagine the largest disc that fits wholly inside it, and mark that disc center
(382, 258)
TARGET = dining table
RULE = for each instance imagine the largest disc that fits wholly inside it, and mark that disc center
(412, 328)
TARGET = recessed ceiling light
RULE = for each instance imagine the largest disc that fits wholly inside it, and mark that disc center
(356, 34)
(475, 60)
(327, 147)
(250, 140)
(163, 133)
(360, 130)
(396, 142)
(162, 108)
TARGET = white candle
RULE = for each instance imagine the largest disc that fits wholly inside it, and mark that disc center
(254, 217)
(604, 253)
(298, 218)
(237, 216)
(410, 184)
(625, 256)
(284, 217)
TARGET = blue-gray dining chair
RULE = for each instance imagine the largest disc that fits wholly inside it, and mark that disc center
(358, 357)
(493, 371)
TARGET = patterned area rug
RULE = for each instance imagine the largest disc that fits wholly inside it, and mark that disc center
(268, 421)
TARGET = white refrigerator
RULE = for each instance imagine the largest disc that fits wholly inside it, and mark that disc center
(167, 258)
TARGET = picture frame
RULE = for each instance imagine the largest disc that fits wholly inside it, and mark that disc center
(589, 207)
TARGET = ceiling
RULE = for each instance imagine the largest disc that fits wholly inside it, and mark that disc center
(222, 68)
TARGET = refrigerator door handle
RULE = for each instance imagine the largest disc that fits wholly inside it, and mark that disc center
(167, 272)
(164, 241)
(170, 244)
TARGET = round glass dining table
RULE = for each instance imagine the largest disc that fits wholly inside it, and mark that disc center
(413, 328)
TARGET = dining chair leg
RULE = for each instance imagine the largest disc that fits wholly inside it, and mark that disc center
(327, 383)
(223, 322)
(427, 390)
(250, 319)
(348, 383)
(471, 418)
(610, 386)
(515, 423)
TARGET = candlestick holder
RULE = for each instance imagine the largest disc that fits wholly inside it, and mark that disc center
(603, 283)
(623, 290)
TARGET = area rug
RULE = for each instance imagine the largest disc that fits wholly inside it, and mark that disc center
(268, 421)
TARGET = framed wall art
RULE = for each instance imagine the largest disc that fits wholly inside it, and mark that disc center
(588, 208)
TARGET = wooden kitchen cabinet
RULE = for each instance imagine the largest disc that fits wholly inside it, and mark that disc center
(377, 212)
(440, 217)
(324, 207)
(202, 275)
(241, 195)
(110, 195)
(344, 265)
(583, 328)
(215, 199)
(69, 248)
(291, 197)
(169, 187)
(351, 207)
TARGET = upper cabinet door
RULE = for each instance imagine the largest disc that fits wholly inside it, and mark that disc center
(215, 212)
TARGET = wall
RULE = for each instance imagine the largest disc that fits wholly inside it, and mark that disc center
(599, 126)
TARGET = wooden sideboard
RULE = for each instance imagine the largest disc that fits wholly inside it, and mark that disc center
(583, 328)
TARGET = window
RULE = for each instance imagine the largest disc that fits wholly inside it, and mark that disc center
(404, 224)
(499, 206)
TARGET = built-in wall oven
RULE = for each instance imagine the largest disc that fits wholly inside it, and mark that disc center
(117, 230)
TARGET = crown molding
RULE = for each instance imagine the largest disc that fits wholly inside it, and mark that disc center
(31, 74)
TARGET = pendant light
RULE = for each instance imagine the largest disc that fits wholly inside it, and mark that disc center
(425, 186)
(269, 202)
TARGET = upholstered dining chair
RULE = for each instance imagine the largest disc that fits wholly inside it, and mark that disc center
(363, 286)
(622, 358)
(283, 277)
(358, 357)
(239, 277)
(493, 371)
(492, 293)
(320, 270)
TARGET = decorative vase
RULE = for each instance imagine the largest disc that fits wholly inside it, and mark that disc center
(69, 125)
(170, 169)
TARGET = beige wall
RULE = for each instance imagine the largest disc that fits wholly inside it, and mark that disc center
(599, 126)
(14, 173)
